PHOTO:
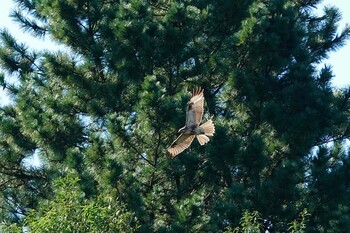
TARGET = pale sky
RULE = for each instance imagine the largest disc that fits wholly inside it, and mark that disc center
(339, 60)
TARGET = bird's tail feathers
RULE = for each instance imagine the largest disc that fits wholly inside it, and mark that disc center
(208, 128)
(202, 139)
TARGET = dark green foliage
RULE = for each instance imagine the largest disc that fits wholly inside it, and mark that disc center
(69, 211)
(106, 108)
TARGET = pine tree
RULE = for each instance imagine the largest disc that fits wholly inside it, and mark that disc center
(105, 109)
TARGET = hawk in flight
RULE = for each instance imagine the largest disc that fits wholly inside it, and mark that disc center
(193, 127)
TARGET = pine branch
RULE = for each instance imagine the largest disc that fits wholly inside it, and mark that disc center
(29, 25)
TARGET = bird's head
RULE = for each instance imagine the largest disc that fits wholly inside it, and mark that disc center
(182, 130)
(189, 105)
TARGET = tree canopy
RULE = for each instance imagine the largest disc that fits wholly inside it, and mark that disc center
(101, 113)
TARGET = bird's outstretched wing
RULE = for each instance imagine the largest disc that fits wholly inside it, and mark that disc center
(192, 129)
(180, 144)
(195, 110)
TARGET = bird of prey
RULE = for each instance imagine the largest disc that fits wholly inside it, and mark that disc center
(193, 127)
